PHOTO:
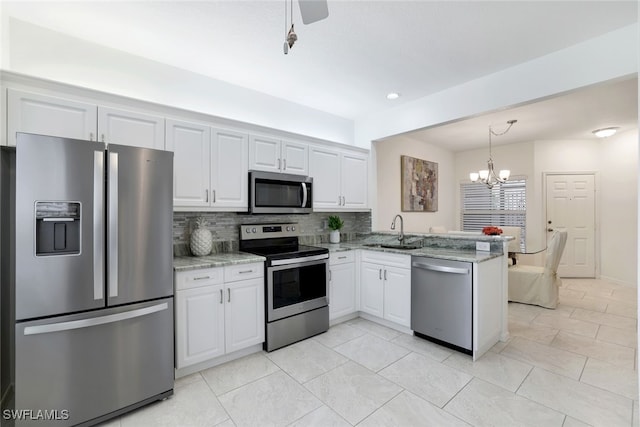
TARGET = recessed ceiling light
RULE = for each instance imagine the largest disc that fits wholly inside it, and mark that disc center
(393, 95)
(605, 132)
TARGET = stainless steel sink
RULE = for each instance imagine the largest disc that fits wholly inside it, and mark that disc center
(392, 246)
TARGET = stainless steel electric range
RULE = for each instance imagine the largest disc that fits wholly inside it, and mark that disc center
(296, 282)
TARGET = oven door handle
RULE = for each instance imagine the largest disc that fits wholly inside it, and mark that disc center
(304, 195)
(298, 260)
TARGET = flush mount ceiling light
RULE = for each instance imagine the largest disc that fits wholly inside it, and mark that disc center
(488, 176)
(605, 132)
(393, 95)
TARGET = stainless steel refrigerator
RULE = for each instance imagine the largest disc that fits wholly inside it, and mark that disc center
(87, 280)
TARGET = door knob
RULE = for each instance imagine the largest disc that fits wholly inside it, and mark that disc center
(549, 229)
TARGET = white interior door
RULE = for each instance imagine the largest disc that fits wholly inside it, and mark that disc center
(571, 207)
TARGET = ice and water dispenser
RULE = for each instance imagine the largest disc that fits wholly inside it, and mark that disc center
(57, 228)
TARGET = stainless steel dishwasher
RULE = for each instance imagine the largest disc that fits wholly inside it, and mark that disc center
(442, 301)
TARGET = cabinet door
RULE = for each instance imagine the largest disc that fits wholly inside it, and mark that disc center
(342, 288)
(229, 171)
(324, 167)
(45, 115)
(190, 143)
(397, 295)
(354, 180)
(295, 158)
(244, 314)
(371, 289)
(199, 325)
(264, 154)
(130, 128)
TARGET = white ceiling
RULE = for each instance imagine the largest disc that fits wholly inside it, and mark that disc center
(347, 63)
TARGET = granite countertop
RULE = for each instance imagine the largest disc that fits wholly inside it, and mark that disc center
(441, 252)
(184, 263)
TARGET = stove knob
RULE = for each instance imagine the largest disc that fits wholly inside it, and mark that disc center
(293, 228)
(248, 230)
(288, 228)
(253, 230)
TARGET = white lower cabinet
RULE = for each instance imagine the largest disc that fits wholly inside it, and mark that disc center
(385, 286)
(218, 311)
(342, 284)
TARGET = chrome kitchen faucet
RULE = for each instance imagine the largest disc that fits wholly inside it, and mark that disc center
(393, 227)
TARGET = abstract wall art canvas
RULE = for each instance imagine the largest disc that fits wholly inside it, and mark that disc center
(419, 185)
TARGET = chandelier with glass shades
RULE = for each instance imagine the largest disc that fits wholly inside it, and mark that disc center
(488, 176)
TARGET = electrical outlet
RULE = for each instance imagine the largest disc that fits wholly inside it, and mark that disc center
(483, 246)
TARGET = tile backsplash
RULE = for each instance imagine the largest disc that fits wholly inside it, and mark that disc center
(225, 227)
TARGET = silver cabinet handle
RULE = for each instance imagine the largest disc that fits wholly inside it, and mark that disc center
(206, 196)
(304, 194)
(245, 271)
(284, 164)
(102, 136)
(214, 195)
(90, 136)
(113, 224)
(385, 274)
(380, 274)
(342, 257)
(329, 275)
(221, 300)
(279, 165)
(228, 294)
(94, 321)
(202, 278)
(98, 224)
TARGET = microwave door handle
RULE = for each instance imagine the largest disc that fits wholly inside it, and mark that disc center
(304, 195)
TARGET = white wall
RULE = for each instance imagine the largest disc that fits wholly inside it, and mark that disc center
(615, 162)
(39, 52)
(568, 69)
(387, 155)
(619, 208)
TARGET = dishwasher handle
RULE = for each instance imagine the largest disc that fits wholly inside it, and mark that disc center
(440, 268)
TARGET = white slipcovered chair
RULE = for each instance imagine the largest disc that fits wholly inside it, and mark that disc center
(539, 285)
(514, 245)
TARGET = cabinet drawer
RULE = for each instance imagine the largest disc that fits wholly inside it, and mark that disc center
(198, 278)
(341, 257)
(233, 273)
(388, 259)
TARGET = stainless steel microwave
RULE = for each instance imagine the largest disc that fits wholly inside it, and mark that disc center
(279, 193)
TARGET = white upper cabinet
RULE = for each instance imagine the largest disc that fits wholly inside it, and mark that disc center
(209, 166)
(354, 175)
(295, 158)
(46, 115)
(130, 128)
(190, 143)
(273, 155)
(339, 178)
(229, 172)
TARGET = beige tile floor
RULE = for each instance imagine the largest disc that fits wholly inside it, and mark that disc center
(573, 366)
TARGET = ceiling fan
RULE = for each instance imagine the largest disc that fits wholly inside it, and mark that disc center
(311, 11)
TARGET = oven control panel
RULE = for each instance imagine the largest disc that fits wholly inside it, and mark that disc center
(267, 231)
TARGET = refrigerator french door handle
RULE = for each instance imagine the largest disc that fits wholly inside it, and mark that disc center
(94, 321)
(113, 225)
(98, 225)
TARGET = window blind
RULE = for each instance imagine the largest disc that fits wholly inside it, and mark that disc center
(503, 205)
